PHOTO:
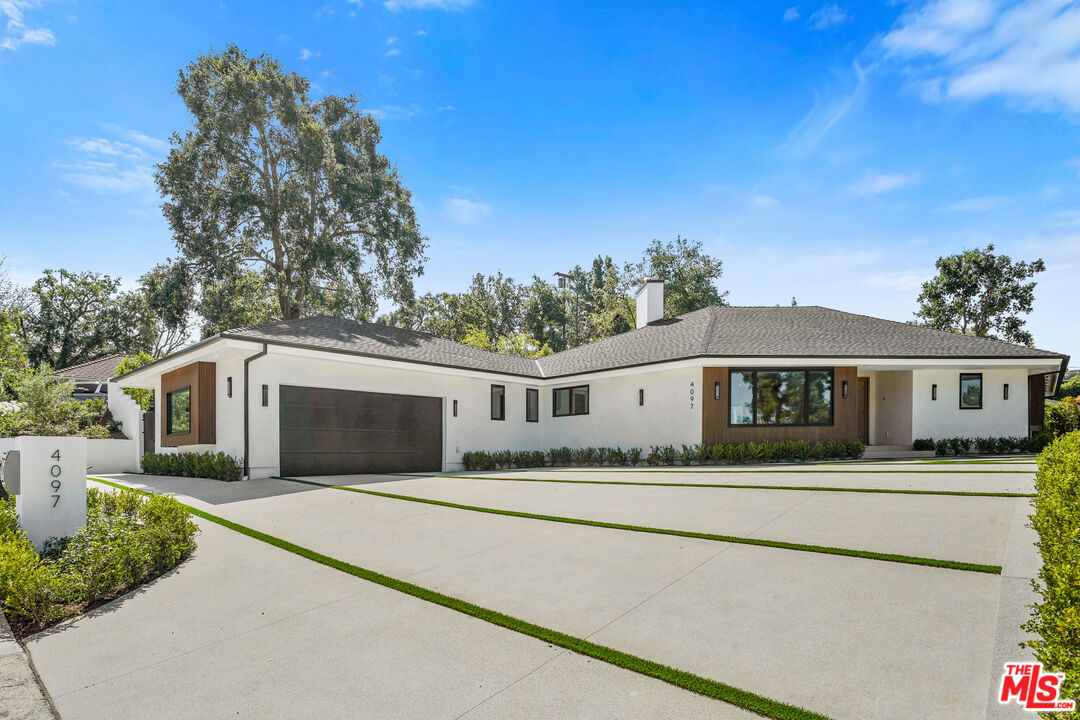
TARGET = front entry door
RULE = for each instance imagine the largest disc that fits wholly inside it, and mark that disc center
(864, 410)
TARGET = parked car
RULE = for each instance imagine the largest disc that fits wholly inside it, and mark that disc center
(88, 390)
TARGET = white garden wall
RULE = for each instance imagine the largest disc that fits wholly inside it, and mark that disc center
(943, 418)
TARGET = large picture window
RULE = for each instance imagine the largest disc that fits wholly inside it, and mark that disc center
(970, 391)
(780, 397)
(570, 401)
(178, 412)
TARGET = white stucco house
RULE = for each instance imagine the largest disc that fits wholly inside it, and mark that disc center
(323, 395)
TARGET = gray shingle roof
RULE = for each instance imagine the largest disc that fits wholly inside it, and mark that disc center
(368, 339)
(99, 370)
(808, 331)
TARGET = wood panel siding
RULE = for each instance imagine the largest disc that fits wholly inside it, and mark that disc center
(716, 429)
(201, 377)
(1036, 402)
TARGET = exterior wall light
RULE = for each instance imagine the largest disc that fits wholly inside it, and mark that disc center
(641, 396)
(843, 389)
(933, 392)
(716, 391)
(1006, 391)
(455, 408)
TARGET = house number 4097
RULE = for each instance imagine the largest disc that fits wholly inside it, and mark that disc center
(691, 394)
(55, 472)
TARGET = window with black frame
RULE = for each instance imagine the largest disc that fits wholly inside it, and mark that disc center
(498, 402)
(178, 412)
(570, 401)
(780, 397)
(970, 391)
(532, 405)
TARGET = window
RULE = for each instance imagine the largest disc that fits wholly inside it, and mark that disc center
(970, 391)
(498, 402)
(780, 397)
(532, 405)
(178, 412)
(570, 401)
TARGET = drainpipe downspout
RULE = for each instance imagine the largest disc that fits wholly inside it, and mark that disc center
(247, 361)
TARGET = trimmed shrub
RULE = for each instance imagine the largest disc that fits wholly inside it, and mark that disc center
(1056, 620)
(1062, 417)
(215, 466)
(923, 444)
(128, 539)
(633, 456)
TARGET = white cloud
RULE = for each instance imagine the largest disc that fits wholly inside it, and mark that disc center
(880, 183)
(827, 16)
(421, 33)
(111, 166)
(977, 204)
(306, 54)
(1026, 51)
(391, 40)
(457, 5)
(763, 202)
(824, 116)
(392, 52)
(465, 211)
(792, 13)
(16, 33)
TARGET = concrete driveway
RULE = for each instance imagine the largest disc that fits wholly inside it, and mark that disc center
(246, 628)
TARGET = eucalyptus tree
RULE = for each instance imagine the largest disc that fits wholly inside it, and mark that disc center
(271, 180)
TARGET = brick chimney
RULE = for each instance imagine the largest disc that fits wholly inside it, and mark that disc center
(650, 301)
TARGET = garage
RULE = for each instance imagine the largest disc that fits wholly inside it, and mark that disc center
(344, 432)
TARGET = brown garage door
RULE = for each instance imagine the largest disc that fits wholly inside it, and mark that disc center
(338, 432)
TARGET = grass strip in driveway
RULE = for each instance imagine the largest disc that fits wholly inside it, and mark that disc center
(679, 678)
(780, 544)
(811, 488)
(708, 469)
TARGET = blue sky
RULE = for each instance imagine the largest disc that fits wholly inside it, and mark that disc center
(827, 151)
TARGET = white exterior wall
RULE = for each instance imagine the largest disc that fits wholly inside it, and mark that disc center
(472, 429)
(616, 420)
(943, 418)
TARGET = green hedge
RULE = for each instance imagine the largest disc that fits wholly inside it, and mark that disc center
(986, 446)
(216, 466)
(701, 454)
(128, 540)
(1056, 620)
(1062, 417)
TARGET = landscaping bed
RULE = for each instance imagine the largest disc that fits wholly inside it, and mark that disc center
(701, 454)
(129, 539)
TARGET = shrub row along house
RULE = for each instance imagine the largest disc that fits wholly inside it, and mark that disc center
(323, 395)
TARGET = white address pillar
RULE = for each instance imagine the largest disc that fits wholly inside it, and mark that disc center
(51, 501)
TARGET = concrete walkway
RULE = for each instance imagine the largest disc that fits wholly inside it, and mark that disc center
(21, 697)
(245, 626)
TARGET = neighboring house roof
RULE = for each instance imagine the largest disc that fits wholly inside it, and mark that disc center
(99, 370)
(751, 332)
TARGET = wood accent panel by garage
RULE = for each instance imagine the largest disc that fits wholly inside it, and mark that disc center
(714, 414)
(201, 377)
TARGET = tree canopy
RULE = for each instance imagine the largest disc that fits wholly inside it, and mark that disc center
(272, 181)
(979, 293)
(78, 317)
(589, 303)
